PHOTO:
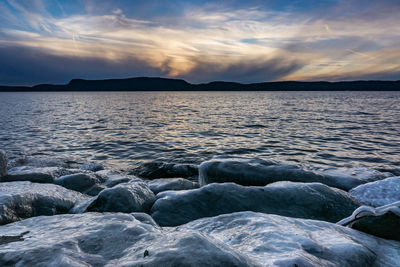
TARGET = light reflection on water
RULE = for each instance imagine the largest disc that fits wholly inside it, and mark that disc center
(125, 128)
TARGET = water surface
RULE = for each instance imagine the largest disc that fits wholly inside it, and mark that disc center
(123, 129)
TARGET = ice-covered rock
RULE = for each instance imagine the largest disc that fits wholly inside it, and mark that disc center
(34, 174)
(160, 185)
(112, 178)
(134, 196)
(155, 170)
(144, 218)
(311, 201)
(262, 172)
(91, 166)
(273, 240)
(20, 200)
(382, 221)
(79, 181)
(378, 193)
(3, 163)
(94, 239)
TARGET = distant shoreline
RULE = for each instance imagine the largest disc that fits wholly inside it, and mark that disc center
(165, 84)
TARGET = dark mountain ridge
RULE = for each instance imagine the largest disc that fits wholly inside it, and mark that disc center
(165, 84)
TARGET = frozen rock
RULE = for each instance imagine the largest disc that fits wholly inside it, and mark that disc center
(273, 240)
(382, 221)
(20, 200)
(378, 193)
(159, 185)
(155, 170)
(3, 163)
(128, 197)
(112, 178)
(92, 166)
(262, 172)
(144, 218)
(34, 174)
(93, 239)
(79, 181)
(311, 201)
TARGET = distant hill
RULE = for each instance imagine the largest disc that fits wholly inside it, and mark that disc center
(163, 84)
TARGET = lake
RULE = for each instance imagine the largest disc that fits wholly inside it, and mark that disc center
(124, 129)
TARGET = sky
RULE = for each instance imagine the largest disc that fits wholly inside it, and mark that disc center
(54, 41)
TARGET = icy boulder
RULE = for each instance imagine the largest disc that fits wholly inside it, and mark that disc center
(160, 185)
(273, 240)
(20, 200)
(91, 166)
(93, 239)
(155, 170)
(112, 178)
(35, 174)
(382, 221)
(378, 193)
(311, 201)
(3, 163)
(262, 172)
(134, 196)
(79, 181)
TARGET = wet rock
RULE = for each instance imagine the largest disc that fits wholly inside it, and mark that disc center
(160, 185)
(273, 240)
(155, 170)
(21, 200)
(378, 193)
(129, 197)
(144, 218)
(382, 221)
(91, 166)
(311, 201)
(32, 174)
(93, 239)
(112, 178)
(262, 172)
(95, 190)
(79, 181)
(3, 163)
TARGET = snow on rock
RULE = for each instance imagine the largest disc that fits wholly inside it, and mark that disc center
(160, 185)
(134, 196)
(262, 172)
(378, 193)
(94, 239)
(20, 200)
(155, 170)
(3, 163)
(382, 221)
(273, 240)
(311, 201)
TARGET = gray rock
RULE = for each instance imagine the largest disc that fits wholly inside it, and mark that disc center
(3, 163)
(311, 201)
(382, 221)
(378, 193)
(273, 240)
(160, 185)
(128, 197)
(79, 181)
(144, 218)
(92, 166)
(20, 200)
(155, 170)
(32, 174)
(112, 178)
(93, 239)
(262, 172)
(95, 190)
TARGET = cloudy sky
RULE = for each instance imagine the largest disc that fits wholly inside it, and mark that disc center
(53, 41)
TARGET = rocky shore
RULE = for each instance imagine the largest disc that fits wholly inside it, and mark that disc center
(224, 212)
